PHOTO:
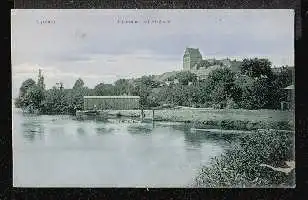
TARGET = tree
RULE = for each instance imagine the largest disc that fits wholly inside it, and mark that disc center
(40, 81)
(154, 98)
(171, 78)
(33, 97)
(184, 77)
(202, 93)
(177, 95)
(21, 102)
(104, 89)
(277, 83)
(123, 86)
(25, 86)
(142, 87)
(61, 86)
(256, 67)
(56, 101)
(220, 84)
(219, 95)
(148, 81)
(75, 99)
(204, 64)
(75, 95)
(143, 91)
(165, 95)
(223, 74)
(181, 95)
(188, 95)
(284, 78)
(217, 62)
(78, 84)
(255, 93)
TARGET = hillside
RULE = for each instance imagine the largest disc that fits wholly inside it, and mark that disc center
(236, 66)
(202, 72)
(165, 76)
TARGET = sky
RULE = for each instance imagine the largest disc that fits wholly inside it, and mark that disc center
(93, 45)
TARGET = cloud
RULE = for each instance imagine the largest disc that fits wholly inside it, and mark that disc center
(92, 45)
(191, 27)
(102, 68)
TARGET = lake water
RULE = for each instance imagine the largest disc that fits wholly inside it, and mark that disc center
(59, 151)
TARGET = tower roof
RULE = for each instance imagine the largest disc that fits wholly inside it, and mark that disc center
(192, 50)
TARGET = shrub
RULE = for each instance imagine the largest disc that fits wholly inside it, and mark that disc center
(279, 125)
(211, 123)
(240, 165)
(226, 124)
(217, 106)
(205, 105)
(291, 124)
(206, 124)
(255, 92)
(252, 125)
(283, 125)
(240, 125)
(231, 104)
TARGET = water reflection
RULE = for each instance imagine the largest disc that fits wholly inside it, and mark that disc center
(81, 131)
(95, 153)
(197, 138)
(90, 118)
(140, 129)
(56, 130)
(103, 130)
(32, 130)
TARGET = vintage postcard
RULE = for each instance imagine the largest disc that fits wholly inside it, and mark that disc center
(153, 98)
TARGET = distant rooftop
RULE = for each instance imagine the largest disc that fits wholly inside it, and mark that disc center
(110, 97)
(192, 50)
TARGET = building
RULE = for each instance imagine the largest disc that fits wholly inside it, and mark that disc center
(111, 102)
(191, 58)
(203, 73)
(289, 103)
(226, 62)
(193, 62)
(288, 69)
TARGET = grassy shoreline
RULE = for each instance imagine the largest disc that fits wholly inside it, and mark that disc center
(235, 119)
(241, 165)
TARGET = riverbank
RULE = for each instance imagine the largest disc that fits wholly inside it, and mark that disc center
(235, 119)
(243, 164)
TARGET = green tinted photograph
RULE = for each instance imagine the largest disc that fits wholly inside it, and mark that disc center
(153, 98)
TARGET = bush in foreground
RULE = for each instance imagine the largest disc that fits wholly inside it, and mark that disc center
(240, 165)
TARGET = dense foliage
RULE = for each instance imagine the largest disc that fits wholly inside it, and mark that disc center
(240, 165)
(256, 67)
(254, 87)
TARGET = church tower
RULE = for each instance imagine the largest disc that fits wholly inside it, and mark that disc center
(191, 57)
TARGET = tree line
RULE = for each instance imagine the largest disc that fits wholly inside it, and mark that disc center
(255, 86)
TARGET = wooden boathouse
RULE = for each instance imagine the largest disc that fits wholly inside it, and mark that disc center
(111, 103)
